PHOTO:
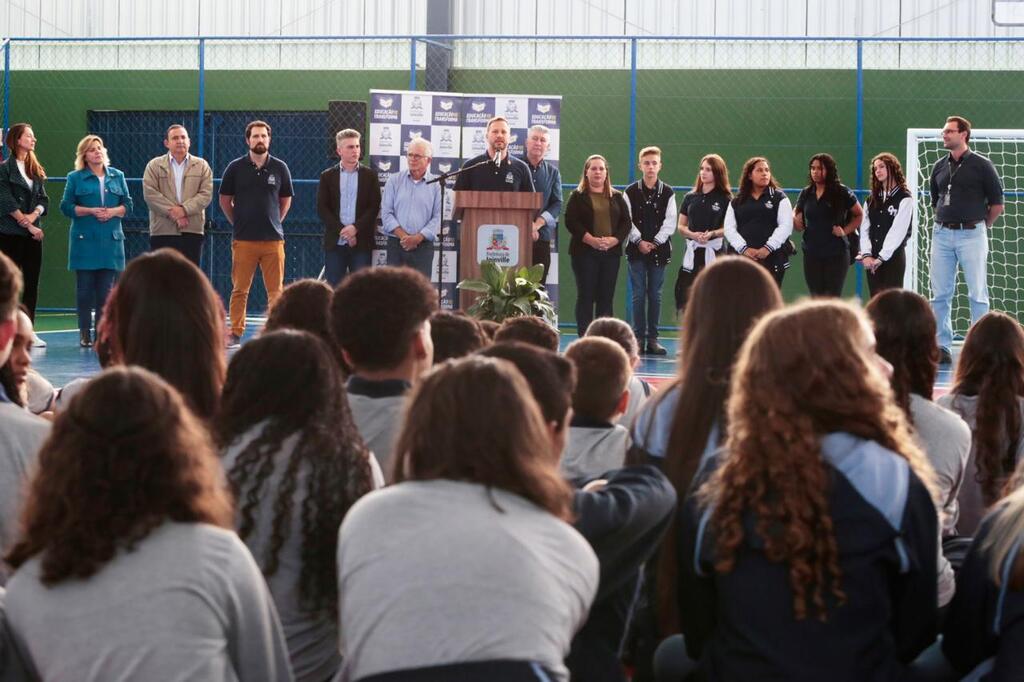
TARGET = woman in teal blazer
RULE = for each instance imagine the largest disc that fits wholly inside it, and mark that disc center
(96, 199)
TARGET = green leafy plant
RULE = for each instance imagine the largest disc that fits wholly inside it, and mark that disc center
(505, 292)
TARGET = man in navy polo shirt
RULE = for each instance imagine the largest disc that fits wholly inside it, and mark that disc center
(255, 195)
(967, 198)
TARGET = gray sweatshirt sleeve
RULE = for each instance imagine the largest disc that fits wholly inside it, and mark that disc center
(256, 643)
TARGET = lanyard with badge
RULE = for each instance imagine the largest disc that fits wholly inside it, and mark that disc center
(952, 174)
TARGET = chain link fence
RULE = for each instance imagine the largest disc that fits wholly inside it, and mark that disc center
(739, 97)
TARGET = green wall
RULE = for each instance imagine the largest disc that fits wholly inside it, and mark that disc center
(784, 115)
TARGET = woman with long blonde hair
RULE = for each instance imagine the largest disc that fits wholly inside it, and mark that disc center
(985, 625)
(814, 537)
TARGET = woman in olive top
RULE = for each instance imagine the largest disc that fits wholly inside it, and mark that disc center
(598, 221)
(828, 214)
(759, 220)
(96, 199)
(700, 220)
(23, 201)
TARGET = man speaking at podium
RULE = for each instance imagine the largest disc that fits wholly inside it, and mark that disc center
(504, 173)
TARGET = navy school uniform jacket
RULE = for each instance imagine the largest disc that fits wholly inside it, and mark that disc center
(985, 625)
(740, 625)
(624, 523)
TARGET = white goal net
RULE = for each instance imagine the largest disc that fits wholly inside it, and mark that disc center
(1005, 148)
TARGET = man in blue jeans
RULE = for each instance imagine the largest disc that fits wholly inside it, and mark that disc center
(410, 212)
(348, 202)
(652, 207)
(967, 198)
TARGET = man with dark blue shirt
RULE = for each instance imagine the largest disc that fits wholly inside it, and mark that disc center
(967, 198)
(255, 195)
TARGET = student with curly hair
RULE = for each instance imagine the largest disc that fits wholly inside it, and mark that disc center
(466, 567)
(988, 392)
(759, 220)
(811, 546)
(136, 571)
(296, 463)
(888, 212)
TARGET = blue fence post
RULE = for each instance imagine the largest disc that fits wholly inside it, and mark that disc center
(860, 144)
(7, 84)
(201, 125)
(632, 108)
(632, 155)
(412, 63)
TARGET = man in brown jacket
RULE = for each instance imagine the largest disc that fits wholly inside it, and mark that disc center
(177, 187)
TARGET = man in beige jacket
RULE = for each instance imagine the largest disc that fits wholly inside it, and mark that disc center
(177, 187)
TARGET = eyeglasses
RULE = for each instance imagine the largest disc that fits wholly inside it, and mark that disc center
(416, 157)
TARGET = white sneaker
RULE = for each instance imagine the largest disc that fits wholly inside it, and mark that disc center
(37, 342)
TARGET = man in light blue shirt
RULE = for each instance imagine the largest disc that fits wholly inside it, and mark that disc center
(411, 211)
(548, 181)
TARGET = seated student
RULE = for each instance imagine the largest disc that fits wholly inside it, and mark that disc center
(988, 392)
(622, 516)
(597, 443)
(164, 315)
(501, 581)
(528, 329)
(21, 433)
(622, 334)
(305, 304)
(984, 631)
(296, 464)
(490, 328)
(380, 318)
(904, 328)
(141, 576)
(455, 335)
(14, 372)
(809, 553)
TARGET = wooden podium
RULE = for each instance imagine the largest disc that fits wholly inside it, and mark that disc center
(496, 226)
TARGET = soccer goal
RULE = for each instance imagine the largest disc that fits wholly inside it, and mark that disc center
(1005, 148)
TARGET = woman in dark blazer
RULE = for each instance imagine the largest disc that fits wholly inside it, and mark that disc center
(23, 201)
(598, 221)
(96, 199)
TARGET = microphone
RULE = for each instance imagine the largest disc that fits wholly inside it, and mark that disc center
(497, 157)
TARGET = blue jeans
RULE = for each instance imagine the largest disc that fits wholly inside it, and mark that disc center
(91, 292)
(421, 258)
(342, 261)
(646, 280)
(969, 249)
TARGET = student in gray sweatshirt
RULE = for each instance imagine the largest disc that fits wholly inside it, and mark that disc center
(135, 574)
(381, 320)
(597, 443)
(467, 561)
(296, 464)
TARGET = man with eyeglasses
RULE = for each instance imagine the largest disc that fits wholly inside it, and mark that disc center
(348, 202)
(411, 211)
(967, 198)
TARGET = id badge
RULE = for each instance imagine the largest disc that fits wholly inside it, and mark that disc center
(949, 191)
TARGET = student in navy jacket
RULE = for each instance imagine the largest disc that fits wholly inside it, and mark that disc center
(810, 550)
(759, 220)
(984, 631)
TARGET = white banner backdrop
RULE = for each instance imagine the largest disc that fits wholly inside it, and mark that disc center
(455, 124)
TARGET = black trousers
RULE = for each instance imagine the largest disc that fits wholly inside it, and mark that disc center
(189, 244)
(596, 273)
(684, 280)
(889, 274)
(27, 254)
(542, 255)
(825, 275)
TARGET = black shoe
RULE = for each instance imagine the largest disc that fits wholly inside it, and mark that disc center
(655, 348)
(85, 340)
(945, 357)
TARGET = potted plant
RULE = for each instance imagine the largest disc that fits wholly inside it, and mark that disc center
(505, 292)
